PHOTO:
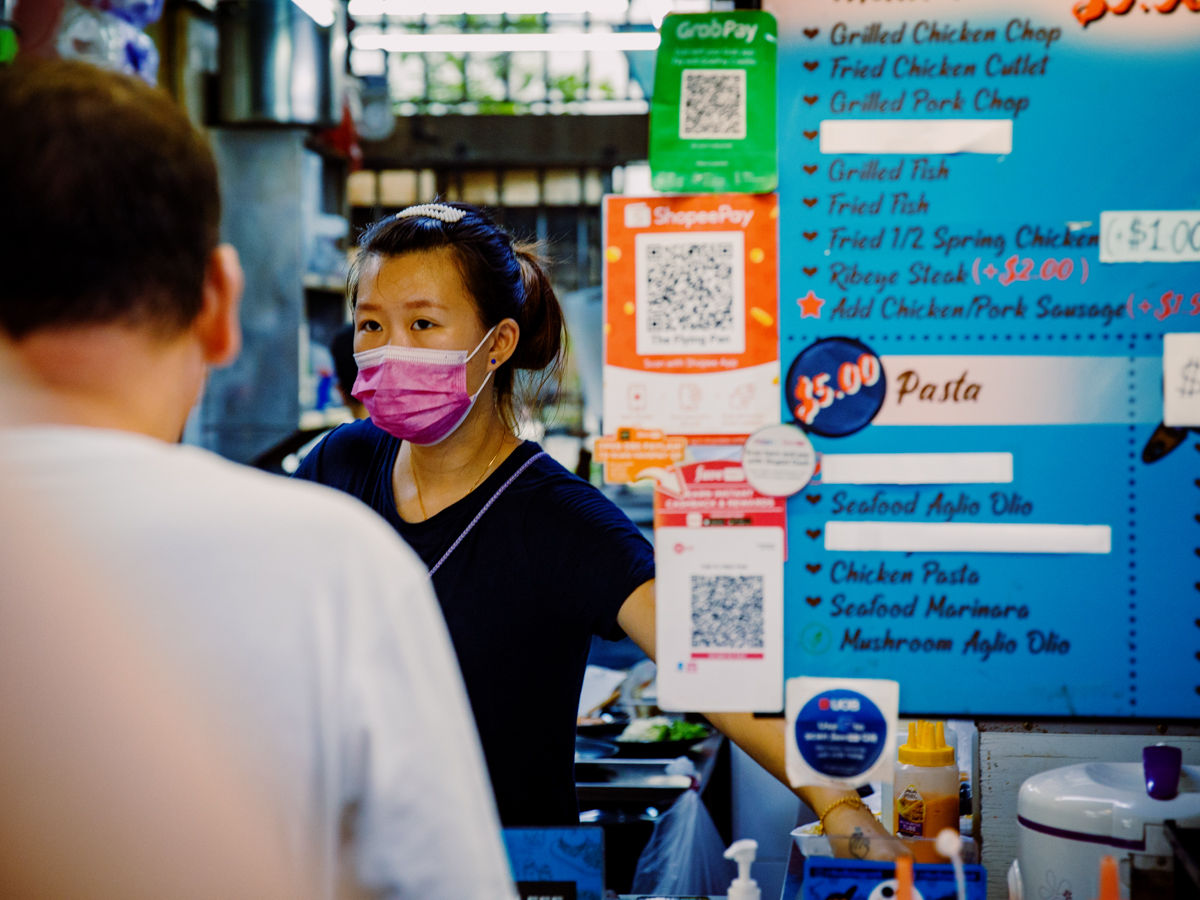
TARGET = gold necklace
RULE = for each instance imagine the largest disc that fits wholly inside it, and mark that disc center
(417, 484)
(488, 467)
(413, 470)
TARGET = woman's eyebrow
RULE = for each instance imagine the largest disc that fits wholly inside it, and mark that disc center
(422, 303)
(409, 304)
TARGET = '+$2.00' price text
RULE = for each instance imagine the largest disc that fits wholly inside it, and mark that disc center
(1018, 268)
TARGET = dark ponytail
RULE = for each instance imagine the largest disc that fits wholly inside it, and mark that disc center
(505, 279)
(541, 351)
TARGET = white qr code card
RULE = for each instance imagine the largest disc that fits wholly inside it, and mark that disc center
(719, 594)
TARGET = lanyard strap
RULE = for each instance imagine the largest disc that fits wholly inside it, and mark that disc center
(479, 515)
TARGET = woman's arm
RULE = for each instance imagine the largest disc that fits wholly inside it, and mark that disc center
(763, 740)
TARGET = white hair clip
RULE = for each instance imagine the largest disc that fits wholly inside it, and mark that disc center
(433, 211)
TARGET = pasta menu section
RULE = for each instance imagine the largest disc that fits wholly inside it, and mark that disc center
(988, 222)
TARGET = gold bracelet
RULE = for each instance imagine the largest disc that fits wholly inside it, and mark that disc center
(851, 800)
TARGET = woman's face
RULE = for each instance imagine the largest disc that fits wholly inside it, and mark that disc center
(415, 300)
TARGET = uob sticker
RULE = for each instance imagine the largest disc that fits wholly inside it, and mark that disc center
(841, 733)
(835, 387)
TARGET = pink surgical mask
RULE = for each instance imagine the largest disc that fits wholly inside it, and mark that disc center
(416, 394)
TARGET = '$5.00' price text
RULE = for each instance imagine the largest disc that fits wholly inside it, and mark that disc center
(816, 393)
(1017, 268)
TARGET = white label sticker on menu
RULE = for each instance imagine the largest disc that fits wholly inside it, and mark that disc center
(1168, 235)
(1181, 380)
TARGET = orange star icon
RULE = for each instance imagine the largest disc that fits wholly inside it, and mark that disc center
(810, 306)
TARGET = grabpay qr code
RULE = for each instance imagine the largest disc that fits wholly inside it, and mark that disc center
(712, 104)
(727, 611)
(691, 291)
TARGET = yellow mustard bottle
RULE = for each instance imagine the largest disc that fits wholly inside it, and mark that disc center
(925, 783)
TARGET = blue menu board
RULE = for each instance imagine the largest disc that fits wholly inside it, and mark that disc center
(990, 219)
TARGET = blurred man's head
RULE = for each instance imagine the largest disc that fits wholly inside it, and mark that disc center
(109, 213)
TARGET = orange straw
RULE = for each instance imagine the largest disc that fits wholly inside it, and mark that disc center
(1109, 883)
(904, 878)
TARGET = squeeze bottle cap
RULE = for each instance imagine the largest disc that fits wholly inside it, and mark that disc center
(926, 745)
(743, 887)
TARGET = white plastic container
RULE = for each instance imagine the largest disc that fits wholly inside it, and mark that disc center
(811, 844)
(1068, 818)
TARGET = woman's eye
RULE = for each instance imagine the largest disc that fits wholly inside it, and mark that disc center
(422, 325)
(370, 325)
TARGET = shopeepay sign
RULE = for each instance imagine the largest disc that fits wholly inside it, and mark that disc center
(691, 340)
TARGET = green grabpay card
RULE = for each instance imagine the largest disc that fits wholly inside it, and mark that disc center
(712, 118)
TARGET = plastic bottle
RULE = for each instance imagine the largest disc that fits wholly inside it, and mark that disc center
(925, 784)
(743, 887)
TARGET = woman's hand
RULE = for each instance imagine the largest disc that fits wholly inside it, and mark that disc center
(853, 830)
(855, 833)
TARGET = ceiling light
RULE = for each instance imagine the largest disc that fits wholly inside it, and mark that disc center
(599, 8)
(412, 42)
(320, 11)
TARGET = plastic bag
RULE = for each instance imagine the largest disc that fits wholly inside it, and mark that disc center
(138, 13)
(104, 40)
(639, 692)
(685, 854)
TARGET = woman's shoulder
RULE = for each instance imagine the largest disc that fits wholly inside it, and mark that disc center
(560, 496)
(357, 436)
(591, 556)
(347, 452)
(549, 480)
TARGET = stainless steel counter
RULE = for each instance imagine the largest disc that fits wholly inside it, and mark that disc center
(642, 781)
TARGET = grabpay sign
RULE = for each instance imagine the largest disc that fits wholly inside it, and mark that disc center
(712, 121)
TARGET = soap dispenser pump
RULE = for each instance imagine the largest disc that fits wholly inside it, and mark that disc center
(743, 887)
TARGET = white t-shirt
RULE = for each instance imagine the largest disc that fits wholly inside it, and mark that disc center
(315, 630)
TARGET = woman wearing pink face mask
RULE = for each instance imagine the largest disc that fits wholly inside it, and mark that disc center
(456, 328)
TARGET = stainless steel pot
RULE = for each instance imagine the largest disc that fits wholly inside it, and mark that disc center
(277, 65)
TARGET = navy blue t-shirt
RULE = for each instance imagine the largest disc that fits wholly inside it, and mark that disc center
(547, 567)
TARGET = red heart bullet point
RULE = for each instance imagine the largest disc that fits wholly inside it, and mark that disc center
(810, 169)
(811, 134)
(813, 533)
(813, 567)
(811, 65)
(811, 33)
(810, 99)
(814, 499)
(810, 202)
(813, 601)
(810, 235)
(810, 270)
